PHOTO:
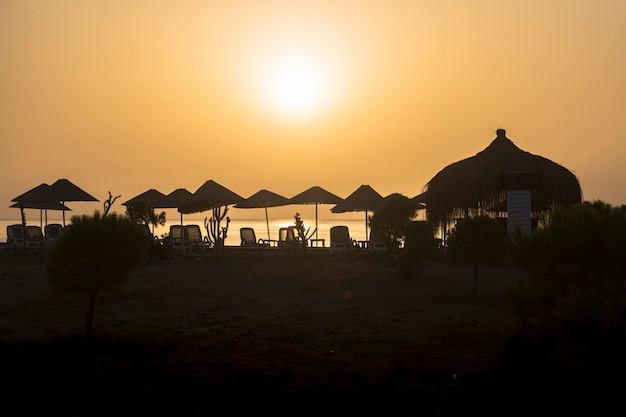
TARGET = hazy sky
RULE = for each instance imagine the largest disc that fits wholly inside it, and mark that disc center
(124, 96)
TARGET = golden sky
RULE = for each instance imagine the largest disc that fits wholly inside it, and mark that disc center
(124, 96)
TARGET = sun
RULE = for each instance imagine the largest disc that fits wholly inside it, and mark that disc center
(296, 86)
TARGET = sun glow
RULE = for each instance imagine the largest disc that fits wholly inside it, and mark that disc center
(297, 69)
(296, 86)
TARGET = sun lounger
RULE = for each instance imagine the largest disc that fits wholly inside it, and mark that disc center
(52, 232)
(35, 237)
(287, 237)
(187, 238)
(15, 235)
(248, 237)
(340, 240)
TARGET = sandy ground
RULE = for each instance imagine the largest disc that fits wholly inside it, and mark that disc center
(320, 335)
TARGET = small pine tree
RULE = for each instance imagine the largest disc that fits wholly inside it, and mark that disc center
(95, 252)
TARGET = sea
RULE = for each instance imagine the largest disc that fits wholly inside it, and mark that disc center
(355, 221)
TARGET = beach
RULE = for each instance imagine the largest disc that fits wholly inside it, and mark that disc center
(264, 331)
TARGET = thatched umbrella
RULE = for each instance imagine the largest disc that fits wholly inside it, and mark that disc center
(208, 196)
(264, 199)
(364, 198)
(64, 190)
(315, 195)
(472, 184)
(175, 199)
(150, 197)
(212, 196)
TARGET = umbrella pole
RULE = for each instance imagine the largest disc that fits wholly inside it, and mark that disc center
(267, 222)
(316, 231)
(366, 237)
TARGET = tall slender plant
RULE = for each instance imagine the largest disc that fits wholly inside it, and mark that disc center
(304, 235)
(216, 233)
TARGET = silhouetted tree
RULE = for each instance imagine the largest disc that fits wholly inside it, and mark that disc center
(477, 240)
(392, 218)
(141, 212)
(95, 252)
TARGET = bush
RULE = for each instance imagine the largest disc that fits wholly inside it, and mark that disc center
(419, 245)
(573, 295)
(478, 240)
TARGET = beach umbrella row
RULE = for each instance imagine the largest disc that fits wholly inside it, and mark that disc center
(208, 196)
(211, 195)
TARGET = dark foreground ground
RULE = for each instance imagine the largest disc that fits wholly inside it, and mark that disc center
(275, 335)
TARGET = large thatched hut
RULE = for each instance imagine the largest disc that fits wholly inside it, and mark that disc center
(478, 185)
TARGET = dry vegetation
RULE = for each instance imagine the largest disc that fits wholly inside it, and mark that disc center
(262, 333)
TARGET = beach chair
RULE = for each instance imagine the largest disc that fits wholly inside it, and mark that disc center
(35, 237)
(52, 232)
(248, 237)
(177, 237)
(15, 235)
(287, 237)
(193, 239)
(340, 240)
(187, 238)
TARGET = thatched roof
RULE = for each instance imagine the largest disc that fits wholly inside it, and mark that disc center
(473, 183)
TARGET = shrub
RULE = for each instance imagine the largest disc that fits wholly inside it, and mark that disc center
(574, 291)
(478, 240)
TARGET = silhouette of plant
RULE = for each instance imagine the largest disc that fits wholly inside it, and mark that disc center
(393, 217)
(575, 288)
(108, 203)
(419, 245)
(304, 235)
(141, 212)
(216, 233)
(477, 240)
(95, 253)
